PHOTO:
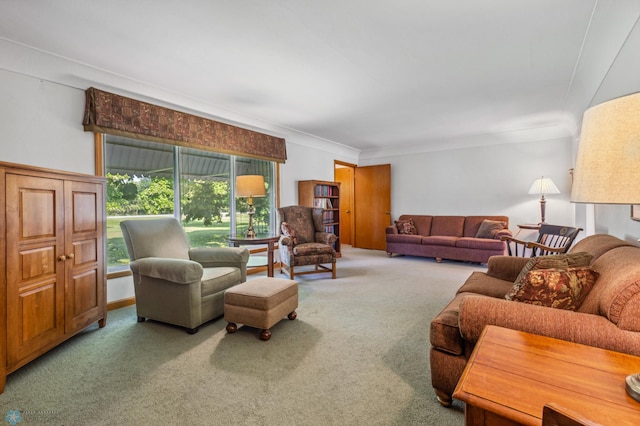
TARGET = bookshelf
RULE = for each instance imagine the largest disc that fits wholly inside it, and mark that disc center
(324, 194)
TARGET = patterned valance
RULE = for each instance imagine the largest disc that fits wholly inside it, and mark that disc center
(117, 115)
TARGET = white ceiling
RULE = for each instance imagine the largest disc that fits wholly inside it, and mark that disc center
(367, 74)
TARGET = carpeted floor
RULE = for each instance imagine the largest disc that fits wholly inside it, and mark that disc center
(356, 355)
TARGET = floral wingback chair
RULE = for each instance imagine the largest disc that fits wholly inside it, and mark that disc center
(303, 241)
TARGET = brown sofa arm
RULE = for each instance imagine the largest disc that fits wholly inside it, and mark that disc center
(391, 230)
(476, 312)
(506, 267)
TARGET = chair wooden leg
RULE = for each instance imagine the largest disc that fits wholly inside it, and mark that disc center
(333, 270)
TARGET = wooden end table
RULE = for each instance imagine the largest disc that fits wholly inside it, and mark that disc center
(268, 241)
(511, 375)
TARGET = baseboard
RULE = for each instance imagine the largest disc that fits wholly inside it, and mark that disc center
(117, 304)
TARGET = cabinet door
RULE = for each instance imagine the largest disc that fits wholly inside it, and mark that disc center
(35, 266)
(84, 221)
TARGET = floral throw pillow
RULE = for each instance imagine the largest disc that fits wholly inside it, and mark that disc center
(406, 227)
(489, 228)
(288, 231)
(557, 288)
(559, 261)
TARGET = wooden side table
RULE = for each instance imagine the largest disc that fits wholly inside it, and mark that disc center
(511, 375)
(268, 241)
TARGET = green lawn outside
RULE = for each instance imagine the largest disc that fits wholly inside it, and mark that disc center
(199, 236)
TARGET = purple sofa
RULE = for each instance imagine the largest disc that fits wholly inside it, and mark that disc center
(447, 237)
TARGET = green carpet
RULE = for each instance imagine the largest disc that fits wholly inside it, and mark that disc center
(356, 355)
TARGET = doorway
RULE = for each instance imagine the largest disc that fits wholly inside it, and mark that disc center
(365, 200)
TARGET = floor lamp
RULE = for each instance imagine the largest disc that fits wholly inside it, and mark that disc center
(543, 186)
(607, 169)
(250, 186)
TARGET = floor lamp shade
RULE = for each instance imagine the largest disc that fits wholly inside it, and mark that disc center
(608, 165)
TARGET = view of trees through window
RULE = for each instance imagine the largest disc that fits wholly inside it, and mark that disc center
(147, 179)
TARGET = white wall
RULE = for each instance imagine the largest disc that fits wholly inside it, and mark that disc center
(493, 179)
(609, 68)
(41, 124)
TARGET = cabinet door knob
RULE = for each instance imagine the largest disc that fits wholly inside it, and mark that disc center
(62, 258)
(71, 256)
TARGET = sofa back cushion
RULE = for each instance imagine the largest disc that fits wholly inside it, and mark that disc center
(472, 223)
(421, 222)
(598, 244)
(616, 294)
(450, 226)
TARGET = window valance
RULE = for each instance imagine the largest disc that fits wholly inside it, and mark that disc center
(118, 115)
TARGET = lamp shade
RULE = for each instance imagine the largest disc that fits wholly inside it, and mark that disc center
(608, 165)
(544, 185)
(250, 186)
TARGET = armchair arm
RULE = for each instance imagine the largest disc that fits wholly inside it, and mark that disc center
(180, 271)
(503, 233)
(391, 230)
(285, 241)
(476, 312)
(506, 267)
(211, 257)
(326, 237)
(544, 249)
(519, 246)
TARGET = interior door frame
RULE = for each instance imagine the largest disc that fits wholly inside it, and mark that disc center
(351, 207)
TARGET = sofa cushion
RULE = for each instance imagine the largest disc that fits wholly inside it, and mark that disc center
(481, 283)
(558, 261)
(480, 243)
(617, 294)
(404, 238)
(444, 331)
(406, 227)
(557, 288)
(421, 222)
(489, 228)
(437, 240)
(452, 226)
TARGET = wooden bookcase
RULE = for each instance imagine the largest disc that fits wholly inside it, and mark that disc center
(324, 194)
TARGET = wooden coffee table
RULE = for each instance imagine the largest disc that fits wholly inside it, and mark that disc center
(511, 375)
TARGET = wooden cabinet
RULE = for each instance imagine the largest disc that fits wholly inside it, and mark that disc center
(53, 267)
(318, 193)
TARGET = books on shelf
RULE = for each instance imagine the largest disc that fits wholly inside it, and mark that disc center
(324, 203)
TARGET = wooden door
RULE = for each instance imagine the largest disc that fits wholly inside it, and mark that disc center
(372, 200)
(84, 218)
(344, 175)
(35, 268)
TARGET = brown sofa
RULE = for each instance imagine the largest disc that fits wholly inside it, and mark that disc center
(447, 237)
(607, 318)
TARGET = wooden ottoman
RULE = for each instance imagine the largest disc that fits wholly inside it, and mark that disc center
(260, 303)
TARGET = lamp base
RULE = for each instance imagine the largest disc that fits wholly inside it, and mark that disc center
(633, 386)
(250, 234)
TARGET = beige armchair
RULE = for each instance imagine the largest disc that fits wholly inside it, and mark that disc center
(174, 283)
(303, 241)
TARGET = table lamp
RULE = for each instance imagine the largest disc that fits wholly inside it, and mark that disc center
(543, 186)
(250, 186)
(607, 169)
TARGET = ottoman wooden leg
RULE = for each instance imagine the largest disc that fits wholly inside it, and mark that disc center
(292, 315)
(232, 327)
(265, 334)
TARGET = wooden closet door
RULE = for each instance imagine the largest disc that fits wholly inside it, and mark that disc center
(372, 206)
(35, 269)
(84, 219)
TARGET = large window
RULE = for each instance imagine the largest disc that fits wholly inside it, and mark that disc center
(146, 179)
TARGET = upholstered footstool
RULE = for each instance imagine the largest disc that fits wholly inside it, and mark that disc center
(260, 303)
